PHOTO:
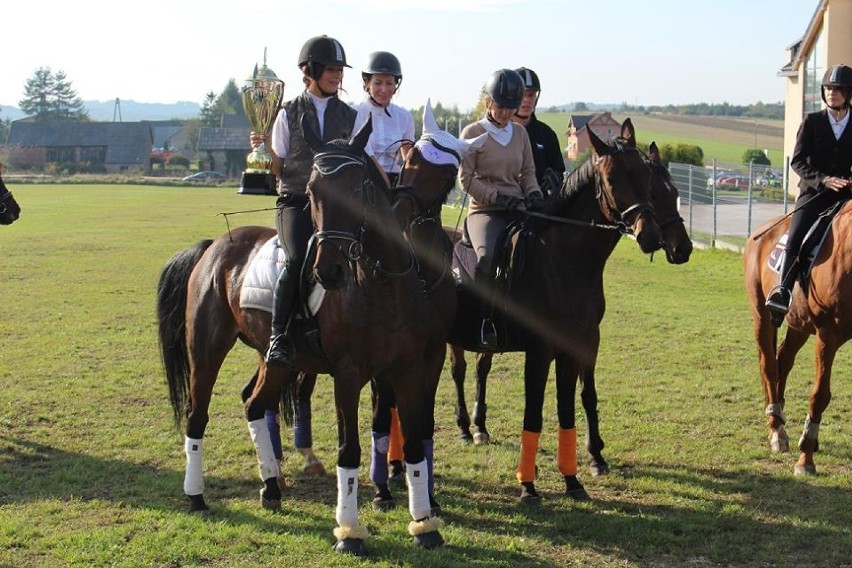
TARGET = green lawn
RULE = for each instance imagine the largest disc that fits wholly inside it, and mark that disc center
(91, 467)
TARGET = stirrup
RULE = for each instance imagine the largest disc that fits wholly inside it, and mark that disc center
(488, 335)
(280, 351)
(778, 304)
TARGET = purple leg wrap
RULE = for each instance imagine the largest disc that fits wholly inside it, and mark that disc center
(302, 431)
(429, 453)
(274, 432)
(379, 461)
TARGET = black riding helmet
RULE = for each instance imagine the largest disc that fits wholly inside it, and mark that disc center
(320, 52)
(838, 76)
(506, 88)
(530, 79)
(382, 63)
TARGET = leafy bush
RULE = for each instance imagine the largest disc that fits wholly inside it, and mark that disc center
(756, 156)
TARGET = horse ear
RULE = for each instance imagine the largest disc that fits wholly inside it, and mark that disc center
(359, 141)
(312, 137)
(430, 125)
(598, 145)
(654, 152)
(628, 132)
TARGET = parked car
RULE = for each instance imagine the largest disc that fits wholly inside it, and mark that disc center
(205, 176)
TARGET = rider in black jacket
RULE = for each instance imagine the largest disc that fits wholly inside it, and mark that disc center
(822, 158)
(547, 154)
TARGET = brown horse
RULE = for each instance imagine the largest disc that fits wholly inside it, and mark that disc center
(822, 309)
(9, 208)
(556, 304)
(365, 326)
(678, 248)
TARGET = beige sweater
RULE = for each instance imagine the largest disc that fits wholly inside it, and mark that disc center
(494, 169)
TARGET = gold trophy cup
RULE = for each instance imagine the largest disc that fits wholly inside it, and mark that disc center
(262, 96)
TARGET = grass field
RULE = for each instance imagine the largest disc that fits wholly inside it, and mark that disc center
(725, 139)
(91, 467)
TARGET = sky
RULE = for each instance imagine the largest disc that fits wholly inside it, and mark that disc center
(655, 52)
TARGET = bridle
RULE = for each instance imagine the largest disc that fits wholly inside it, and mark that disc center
(351, 244)
(608, 202)
(658, 169)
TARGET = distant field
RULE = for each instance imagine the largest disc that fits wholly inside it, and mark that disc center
(725, 139)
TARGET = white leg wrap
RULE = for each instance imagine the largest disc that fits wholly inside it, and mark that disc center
(266, 463)
(193, 480)
(417, 477)
(811, 429)
(777, 410)
(346, 513)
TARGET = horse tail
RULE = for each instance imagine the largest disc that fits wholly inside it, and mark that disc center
(172, 292)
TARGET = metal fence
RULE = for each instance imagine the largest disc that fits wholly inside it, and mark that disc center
(722, 206)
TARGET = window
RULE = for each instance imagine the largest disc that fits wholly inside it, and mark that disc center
(813, 72)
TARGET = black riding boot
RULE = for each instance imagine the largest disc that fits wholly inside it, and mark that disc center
(779, 297)
(281, 350)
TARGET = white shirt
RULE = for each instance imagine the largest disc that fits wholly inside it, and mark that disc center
(500, 135)
(838, 126)
(391, 126)
(280, 141)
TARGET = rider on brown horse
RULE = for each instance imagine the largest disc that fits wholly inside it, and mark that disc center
(822, 158)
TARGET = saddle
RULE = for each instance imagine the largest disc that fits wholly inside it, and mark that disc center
(811, 245)
(257, 290)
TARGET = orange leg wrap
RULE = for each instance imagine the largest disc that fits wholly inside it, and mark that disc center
(566, 455)
(396, 440)
(529, 449)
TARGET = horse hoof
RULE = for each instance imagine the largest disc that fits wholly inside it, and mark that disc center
(383, 504)
(197, 504)
(314, 468)
(598, 468)
(578, 494)
(431, 539)
(809, 469)
(466, 438)
(397, 473)
(481, 438)
(353, 546)
(529, 496)
(779, 442)
(270, 504)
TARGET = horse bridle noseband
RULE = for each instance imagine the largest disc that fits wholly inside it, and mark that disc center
(330, 163)
(5, 195)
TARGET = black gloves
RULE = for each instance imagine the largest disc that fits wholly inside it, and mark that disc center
(551, 181)
(535, 201)
(508, 202)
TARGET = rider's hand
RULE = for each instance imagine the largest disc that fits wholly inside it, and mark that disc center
(535, 201)
(256, 139)
(508, 202)
(551, 181)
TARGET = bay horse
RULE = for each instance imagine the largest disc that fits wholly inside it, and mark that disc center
(678, 248)
(366, 327)
(822, 309)
(556, 304)
(428, 175)
(10, 211)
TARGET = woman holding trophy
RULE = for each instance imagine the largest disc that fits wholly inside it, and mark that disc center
(321, 60)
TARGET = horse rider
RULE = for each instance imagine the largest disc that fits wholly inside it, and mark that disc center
(393, 126)
(822, 158)
(547, 154)
(500, 179)
(321, 60)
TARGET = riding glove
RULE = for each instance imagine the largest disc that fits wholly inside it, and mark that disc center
(508, 202)
(535, 201)
(551, 181)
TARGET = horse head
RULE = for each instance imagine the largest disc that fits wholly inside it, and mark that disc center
(336, 191)
(9, 208)
(430, 169)
(624, 186)
(664, 198)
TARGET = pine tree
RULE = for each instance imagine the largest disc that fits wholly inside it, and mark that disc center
(209, 115)
(50, 96)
